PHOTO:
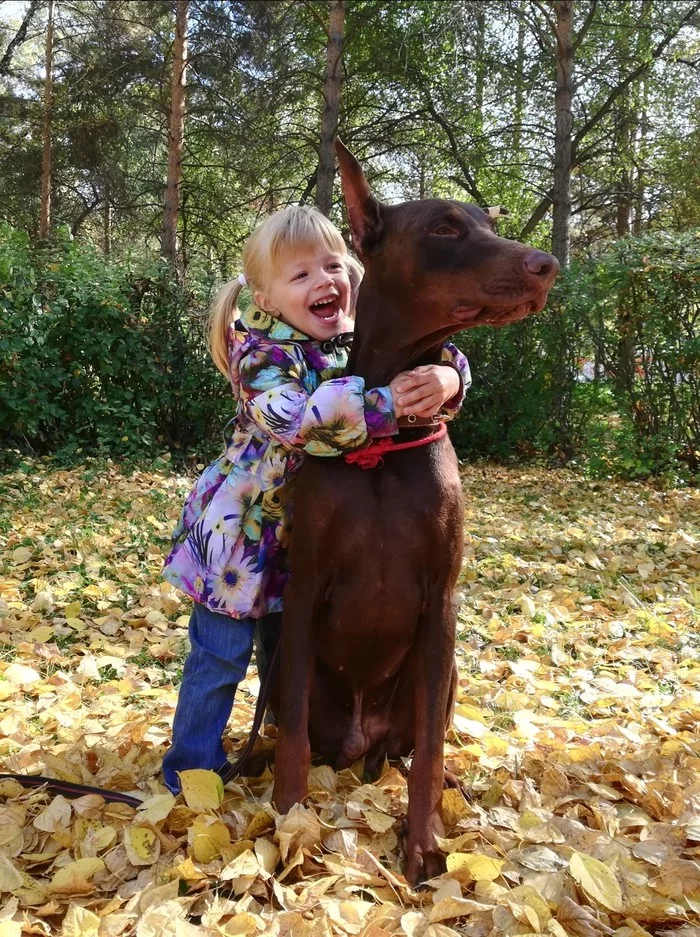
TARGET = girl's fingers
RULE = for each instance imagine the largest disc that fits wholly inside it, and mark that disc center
(413, 398)
(422, 406)
(410, 383)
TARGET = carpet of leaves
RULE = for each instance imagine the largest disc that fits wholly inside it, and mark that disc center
(575, 732)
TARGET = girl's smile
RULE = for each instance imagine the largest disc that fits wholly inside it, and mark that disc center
(311, 292)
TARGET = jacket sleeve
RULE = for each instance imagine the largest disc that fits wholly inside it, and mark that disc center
(340, 415)
(452, 356)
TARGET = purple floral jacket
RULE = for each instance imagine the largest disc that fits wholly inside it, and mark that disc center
(230, 544)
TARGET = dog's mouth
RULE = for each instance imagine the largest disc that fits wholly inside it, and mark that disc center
(501, 315)
(327, 309)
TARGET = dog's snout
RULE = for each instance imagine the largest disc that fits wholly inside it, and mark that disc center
(541, 265)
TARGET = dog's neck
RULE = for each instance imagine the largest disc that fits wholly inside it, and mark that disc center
(385, 341)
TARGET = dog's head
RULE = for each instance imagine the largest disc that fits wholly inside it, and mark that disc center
(445, 255)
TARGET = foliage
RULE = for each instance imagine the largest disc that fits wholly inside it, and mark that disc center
(633, 314)
(575, 730)
(102, 357)
(439, 99)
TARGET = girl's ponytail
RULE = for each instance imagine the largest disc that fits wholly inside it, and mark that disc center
(223, 312)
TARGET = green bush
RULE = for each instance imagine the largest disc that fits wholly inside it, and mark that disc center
(634, 314)
(107, 358)
(102, 358)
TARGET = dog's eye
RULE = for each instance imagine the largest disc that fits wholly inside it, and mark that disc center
(445, 231)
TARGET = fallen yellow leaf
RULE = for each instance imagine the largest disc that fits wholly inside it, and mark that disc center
(202, 790)
(597, 880)
(476, 867)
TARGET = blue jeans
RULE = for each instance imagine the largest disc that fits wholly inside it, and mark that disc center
(220, 651)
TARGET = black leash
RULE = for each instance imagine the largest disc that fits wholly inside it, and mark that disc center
(233, 769)
(70, 789)
(227, 773)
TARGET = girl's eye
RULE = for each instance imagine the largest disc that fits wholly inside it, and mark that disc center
(299, 275)
(335, 266)
(445, 231)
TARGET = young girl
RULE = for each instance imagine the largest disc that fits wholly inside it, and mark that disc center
(285, 357)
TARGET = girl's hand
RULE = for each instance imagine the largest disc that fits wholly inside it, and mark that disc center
(425, 389)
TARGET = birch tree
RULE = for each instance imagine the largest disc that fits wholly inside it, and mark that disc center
(331, 106)
(45, 206)
(176, 135)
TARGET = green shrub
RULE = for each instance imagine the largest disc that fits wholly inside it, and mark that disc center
(634, 313)
(107, 358)
(103, 358)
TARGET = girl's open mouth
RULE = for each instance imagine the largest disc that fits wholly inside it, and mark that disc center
(328, 309)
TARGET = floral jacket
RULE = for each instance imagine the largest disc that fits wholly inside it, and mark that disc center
(229, 547)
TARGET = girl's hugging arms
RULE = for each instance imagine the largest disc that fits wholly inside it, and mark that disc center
(339, 416)
(434, 388)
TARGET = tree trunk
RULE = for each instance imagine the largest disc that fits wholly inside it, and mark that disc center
(176, 136)
(642, 155)
(519, 91)
(623, 213)
(331, 106)
(107, 224)
(19, 37)
(45, 208)
(625, 118)
(642, 129)
(561, 235)
(478, 158)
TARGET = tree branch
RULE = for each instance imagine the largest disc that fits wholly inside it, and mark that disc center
(585, 27)
(633, 76)
(18, 38)
(470, 183)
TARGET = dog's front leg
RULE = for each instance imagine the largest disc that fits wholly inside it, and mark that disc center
(425, 781)
(293, 752)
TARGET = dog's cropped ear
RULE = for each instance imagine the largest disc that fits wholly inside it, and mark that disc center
(364, 210)
(497, 211)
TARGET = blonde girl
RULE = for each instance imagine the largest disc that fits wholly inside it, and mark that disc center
(285, 358)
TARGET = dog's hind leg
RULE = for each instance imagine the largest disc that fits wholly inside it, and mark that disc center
(293, 753)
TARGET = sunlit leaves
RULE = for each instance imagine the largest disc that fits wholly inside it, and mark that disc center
(575, 732)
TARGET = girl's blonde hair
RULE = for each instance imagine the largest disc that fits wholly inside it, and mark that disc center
(294, 228)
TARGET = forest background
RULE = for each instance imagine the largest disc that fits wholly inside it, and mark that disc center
(141, 141)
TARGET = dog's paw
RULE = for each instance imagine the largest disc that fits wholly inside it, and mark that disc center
(423, 864)
(453, 782)
(424, 860)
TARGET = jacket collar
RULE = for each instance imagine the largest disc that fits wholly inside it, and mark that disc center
(257, 320)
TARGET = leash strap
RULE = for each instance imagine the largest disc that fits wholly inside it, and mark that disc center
(232, 769)
(372, 456)
(68, 789)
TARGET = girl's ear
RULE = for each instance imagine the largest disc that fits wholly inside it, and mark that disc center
(262, 302)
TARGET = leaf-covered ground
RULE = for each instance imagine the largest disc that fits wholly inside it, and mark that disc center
(576, 731)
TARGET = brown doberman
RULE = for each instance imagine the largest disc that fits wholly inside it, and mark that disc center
(368, 632)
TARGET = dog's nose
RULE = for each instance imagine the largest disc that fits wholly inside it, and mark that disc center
(540, 264)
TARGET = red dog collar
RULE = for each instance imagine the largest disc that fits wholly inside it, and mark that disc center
(372, 456)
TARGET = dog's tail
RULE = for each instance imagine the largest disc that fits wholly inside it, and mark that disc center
(355, 742)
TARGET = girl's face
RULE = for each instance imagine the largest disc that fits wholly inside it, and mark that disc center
(311, 292)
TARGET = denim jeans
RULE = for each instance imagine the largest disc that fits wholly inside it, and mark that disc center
(220, 651)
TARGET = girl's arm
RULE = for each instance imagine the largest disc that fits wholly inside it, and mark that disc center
(340, 415)
(434, 388)
(452, 357)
